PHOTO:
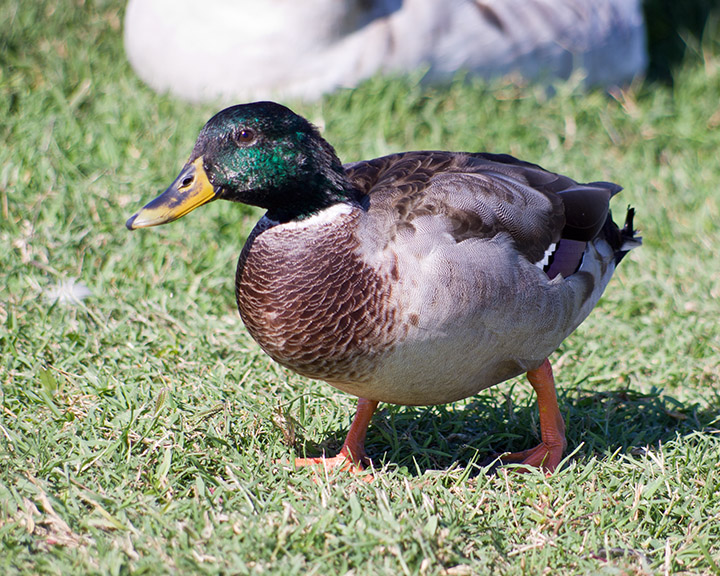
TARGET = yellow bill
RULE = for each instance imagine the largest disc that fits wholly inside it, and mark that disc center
(189, 190)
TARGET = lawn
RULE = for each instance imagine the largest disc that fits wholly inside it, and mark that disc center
(142, 431)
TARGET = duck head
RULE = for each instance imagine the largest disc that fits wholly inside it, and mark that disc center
(261, 154)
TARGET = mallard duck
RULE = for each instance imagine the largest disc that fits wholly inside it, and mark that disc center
(254, 49)
(418, 278)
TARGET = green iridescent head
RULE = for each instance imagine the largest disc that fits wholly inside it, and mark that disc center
(261, 154)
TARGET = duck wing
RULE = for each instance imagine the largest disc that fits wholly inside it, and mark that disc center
(483, 195)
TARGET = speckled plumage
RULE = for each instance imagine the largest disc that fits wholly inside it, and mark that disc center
(310, 304)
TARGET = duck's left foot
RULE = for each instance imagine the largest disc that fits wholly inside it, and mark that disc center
(343, 462)
(352, 457)
(548, 454)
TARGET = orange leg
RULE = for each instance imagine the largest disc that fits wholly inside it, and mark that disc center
(552, 427)
(352, 456)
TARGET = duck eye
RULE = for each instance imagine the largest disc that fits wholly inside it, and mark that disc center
(244, 136)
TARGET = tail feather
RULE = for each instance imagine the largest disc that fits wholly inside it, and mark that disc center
(627, 236)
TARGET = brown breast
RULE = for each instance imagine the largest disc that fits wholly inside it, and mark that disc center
(311, 303)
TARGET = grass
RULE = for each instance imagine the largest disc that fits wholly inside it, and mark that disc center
(143, 432)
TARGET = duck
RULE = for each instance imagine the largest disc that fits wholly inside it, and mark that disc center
(302, 50)
(418, 278)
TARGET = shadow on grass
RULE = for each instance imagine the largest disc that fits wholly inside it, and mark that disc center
(470, 432)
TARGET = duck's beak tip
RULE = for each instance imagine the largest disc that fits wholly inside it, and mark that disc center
(130, 223)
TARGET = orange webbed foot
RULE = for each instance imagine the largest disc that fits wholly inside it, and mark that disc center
(548, 454)
(343, 462)
(352, 457)
(542, 456)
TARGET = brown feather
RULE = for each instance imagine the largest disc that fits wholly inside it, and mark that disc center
(313, 307)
